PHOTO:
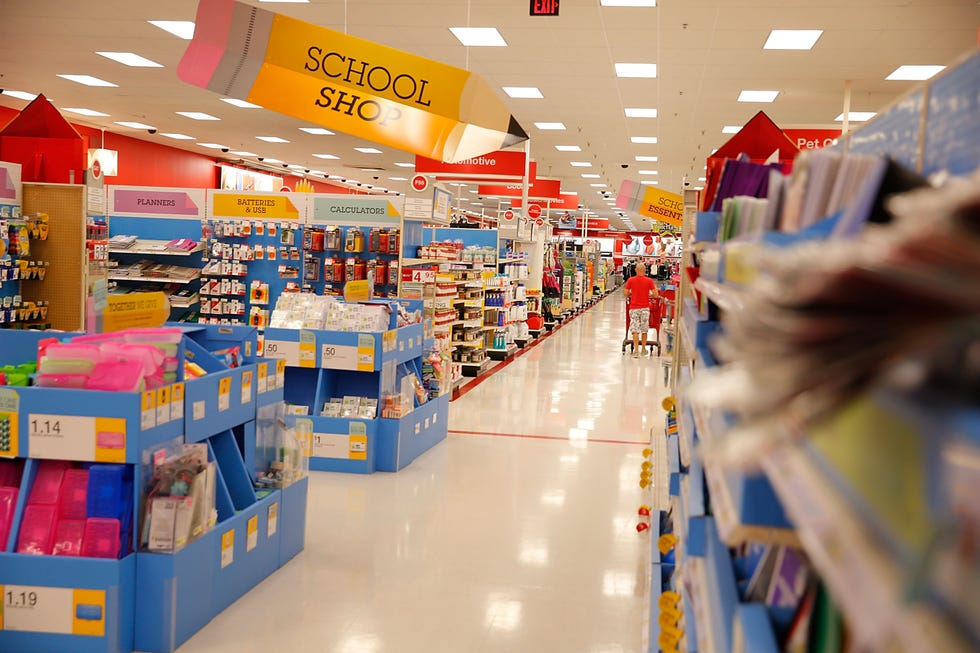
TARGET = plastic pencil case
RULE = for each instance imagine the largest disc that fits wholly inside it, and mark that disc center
(68, 537)
(101, 539)
(37, 530)
(119, 376)
(8, 503)
(51, 365)
(76, 381)
(46, 490)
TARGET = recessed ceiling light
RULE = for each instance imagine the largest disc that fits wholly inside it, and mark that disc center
(792, 39)
(550, 125)
(272, 139)
(24, 95)
(316, 131)
(915, 73)
(568, 148)
(646, 158)
(597, 185)
(88, 80)
(473, 191)
(370, 169)
(644, 139)
(699, 188)
(79, 111)
(647, 172)
(591, 176)
(639, 112)
(581, 164)
(134, 125)
(731, 129)
(197, 115)
(757, 96)
(526, 92)
(857, 116)
(458, 184)
(317, 172)
(702, 179)
(479, 36)
(179, 137)
(130, 59)
(405, 165)
(268, 160)
(326, 156)
(335, 177)
(212, 146)
(297, 167)
(628, 3)
(244, 153)
(368, 150)
(650, 182)
(397, 178)
(180, 28)
(636, 70)
(241, 104)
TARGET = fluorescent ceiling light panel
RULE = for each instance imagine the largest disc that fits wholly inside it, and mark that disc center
(646, 158)
(180, 28)
(397, 178)
(88, 80)
(554, 126)
(316, 131)
(581, 164)
(647, 172)
(241, 104)
(24, 95)
(297, 167)
(650, 182)
(702, 179)
(639, 112)
(272, 139)
(368, 150)
(370, 169)
(628, 3)
(197, 115)
(731, 129)
(915, 73)
(597, 185)
(479, 36)
(178, 137)
(648, 70)
(405, 165)
(267, 160)
(212, 146)
(130, 59)
(288, 1)
(79, 111)
(244, 153)
(568, 148)
(792, 39)
(857, 116)
(652, 140)
(526, 92)
(757, 96)
(134, 125)
(326, 156)
(591, 176)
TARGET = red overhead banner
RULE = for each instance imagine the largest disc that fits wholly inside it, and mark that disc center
(811, 139)
(539, 189)
(565, 202)
(495, 165)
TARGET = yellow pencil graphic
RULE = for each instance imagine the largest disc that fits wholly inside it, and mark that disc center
(345, 83)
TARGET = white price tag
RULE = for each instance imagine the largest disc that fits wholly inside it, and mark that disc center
(263, 382)
(198, 410)
(284, 349)
(246, 387)
(273, 524)
(339, 357)
(224, 394)
(177, 402)
(148, 415)
(252, 533)
(55, 610)
(64, 437)
(227, 548)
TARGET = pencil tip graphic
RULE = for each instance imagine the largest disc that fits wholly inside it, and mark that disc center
(515, 133)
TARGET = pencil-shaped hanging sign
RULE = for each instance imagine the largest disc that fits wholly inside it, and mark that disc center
(345, 83)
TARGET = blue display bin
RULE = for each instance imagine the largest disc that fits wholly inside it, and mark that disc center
(219, 400)
(245, 551)
(342, 350)
(292, 520)
(400, 441)
(84, 605)
(343, 445)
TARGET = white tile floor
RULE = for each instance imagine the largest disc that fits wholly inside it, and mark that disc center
(517, 534)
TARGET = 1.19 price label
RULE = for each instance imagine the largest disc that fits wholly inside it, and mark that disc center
(59, 610)
(15, 599)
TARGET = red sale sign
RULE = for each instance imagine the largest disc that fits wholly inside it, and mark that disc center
(538, 189)
(495, 165)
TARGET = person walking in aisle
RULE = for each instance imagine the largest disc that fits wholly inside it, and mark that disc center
(640, 291)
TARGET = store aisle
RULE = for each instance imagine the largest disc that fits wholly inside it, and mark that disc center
(515, 535)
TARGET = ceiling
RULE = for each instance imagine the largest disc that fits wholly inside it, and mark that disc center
(706, 51)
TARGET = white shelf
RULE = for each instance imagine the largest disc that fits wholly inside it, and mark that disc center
(409, 262)
(147, 246)
(123, 277)
(516, 259)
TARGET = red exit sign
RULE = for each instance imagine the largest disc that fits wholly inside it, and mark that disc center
(544, 7)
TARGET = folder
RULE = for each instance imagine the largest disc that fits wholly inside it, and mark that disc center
(345, 83)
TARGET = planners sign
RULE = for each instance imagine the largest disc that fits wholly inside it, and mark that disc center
(345, 83)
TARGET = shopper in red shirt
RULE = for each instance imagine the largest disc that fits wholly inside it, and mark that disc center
(640, 291)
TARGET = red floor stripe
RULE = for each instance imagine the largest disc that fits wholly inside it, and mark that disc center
(496, 368)
(544, 437)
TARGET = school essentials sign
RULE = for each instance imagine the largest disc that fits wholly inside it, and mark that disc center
(345, 83)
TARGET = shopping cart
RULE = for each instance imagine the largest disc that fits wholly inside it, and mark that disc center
(656, 312)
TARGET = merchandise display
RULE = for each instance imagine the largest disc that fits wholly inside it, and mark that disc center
(305, 311)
